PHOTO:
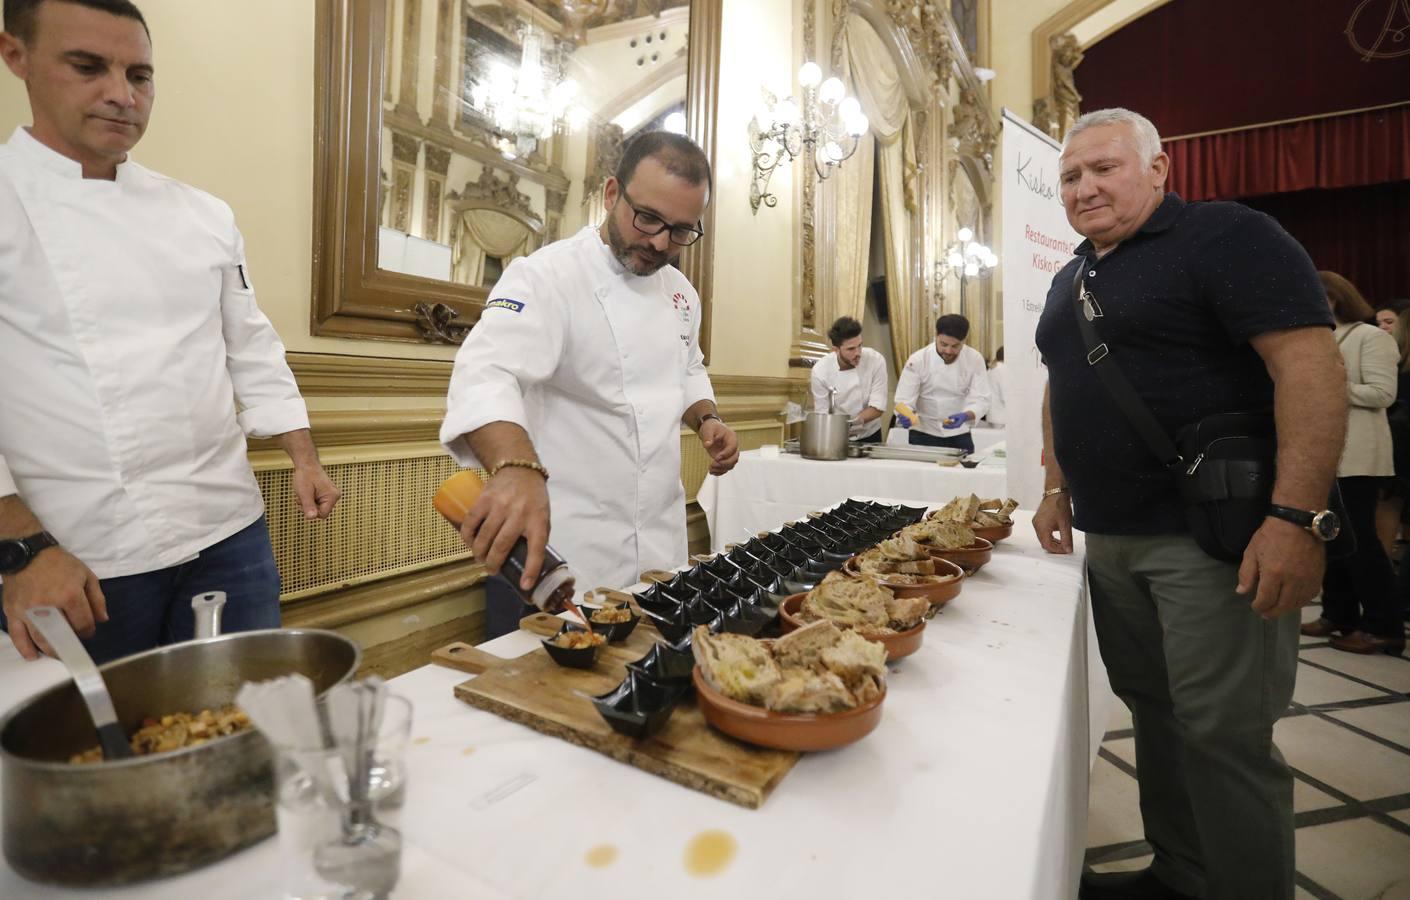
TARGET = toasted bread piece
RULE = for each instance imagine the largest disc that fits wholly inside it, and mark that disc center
(906, 612)
(847, 603)
(737, 666)
(804, 647)
(854, 657)
(809, 691)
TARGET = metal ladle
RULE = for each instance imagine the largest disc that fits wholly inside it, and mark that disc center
(58, 633)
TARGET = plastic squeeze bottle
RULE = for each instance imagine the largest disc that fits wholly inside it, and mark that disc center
(556, 584)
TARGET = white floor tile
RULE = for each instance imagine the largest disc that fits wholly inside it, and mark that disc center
(1120, 719)
(1403, 815)
(1125, 865)
(1354, 859)
(1113, 807)
(1311, 613)
(1299, 894)
(1390, 672)
(1391, 722)
(1345, 760)
(1315, 687)
(1306, 797)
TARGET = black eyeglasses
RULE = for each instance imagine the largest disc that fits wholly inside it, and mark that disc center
(652, 224)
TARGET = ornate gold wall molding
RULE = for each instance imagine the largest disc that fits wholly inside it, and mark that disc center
(410, 56)
(329, 375)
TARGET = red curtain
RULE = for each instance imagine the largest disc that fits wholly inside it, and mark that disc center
(1336, 152)
(1362, 233)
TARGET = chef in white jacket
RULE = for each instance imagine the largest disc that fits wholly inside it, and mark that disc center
(133, 360)
(573, 386)
(853, 379)
(947, 386)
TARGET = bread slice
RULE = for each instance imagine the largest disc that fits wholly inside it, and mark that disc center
(804, 647)
(739, 667)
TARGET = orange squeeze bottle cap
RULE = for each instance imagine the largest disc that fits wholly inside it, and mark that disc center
(456, 495)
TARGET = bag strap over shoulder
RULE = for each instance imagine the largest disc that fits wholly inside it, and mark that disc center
(1099, 357)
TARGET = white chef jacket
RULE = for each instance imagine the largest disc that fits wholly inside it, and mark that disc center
(857, 388)
(998, 389)
(132, 355)
(937, 390)
(598, 365)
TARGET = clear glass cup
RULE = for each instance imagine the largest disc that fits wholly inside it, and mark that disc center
(311, 794)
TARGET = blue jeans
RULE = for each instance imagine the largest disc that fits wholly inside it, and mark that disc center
(154, 608)
(963, 442)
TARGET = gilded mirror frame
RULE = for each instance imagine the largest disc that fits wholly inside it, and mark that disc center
(352, 297)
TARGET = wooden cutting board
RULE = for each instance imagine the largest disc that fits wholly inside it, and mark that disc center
(535, 691)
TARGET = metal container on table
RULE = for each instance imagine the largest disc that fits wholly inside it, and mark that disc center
(824, 436)
(117, 822)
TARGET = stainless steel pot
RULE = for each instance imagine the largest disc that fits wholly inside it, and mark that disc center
(128, 820)
(824, 436)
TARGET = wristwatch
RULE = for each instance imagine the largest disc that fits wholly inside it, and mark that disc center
(1324, 525)
(716, 416)
(16, 554)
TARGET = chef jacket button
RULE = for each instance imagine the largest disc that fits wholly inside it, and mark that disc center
(1092, 274)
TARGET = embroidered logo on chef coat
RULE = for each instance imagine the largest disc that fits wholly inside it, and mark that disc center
(513, 306)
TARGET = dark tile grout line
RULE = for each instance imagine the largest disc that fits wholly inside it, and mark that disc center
(1117, 761)
(1368, 810)
(1384, 742)
(1360, 681)
(1340, 705)
(1315, 889)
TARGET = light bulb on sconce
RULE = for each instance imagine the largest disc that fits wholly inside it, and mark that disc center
(821, 122)
(965, 258)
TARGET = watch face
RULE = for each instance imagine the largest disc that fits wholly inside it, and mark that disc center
(13, 554)
(1326, 525)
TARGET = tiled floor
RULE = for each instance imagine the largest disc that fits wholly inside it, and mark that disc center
(1347, 738)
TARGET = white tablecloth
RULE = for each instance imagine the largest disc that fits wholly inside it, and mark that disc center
(974, 785)
(763, 493)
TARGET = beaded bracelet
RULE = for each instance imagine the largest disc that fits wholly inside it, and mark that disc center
(519, 464)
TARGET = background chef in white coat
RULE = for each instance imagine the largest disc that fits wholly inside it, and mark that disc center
(947, 386)
(133, 359)
(572, 388)
(858, 375)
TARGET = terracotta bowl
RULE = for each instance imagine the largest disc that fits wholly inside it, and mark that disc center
(994, 533)
(971, 558)
(938, 594)
(785, 731)
(898, 646)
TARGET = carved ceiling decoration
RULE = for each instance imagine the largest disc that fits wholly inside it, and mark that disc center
(928, 27)
(596, 13)
(502, 194)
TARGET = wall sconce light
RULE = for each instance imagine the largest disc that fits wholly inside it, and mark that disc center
(965, 259)
(826, 124)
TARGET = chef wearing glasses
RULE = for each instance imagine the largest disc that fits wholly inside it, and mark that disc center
(572, 388)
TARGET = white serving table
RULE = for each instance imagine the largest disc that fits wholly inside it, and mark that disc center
(973, 786)
(760, 493)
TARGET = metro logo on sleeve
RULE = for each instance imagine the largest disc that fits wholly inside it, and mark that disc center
(513, 306)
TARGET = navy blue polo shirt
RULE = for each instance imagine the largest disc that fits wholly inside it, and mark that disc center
(1180, 300)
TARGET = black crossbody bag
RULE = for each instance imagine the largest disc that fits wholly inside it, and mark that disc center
(1225, 464)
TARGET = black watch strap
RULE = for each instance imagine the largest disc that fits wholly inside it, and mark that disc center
(1300, 517)
(28, 548)
(1325, 526)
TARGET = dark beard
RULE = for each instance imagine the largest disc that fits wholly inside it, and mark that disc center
(624, 252)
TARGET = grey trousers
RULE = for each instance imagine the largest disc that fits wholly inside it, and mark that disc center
(1205, 678)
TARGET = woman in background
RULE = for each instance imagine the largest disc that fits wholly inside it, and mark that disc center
(1358, 605)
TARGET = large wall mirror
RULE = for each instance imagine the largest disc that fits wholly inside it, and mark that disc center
(457, 135)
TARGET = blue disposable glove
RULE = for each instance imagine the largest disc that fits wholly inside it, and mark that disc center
(956, 420)
(903, 421)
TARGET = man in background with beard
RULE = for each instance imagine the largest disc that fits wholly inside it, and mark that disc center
(572, 388)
